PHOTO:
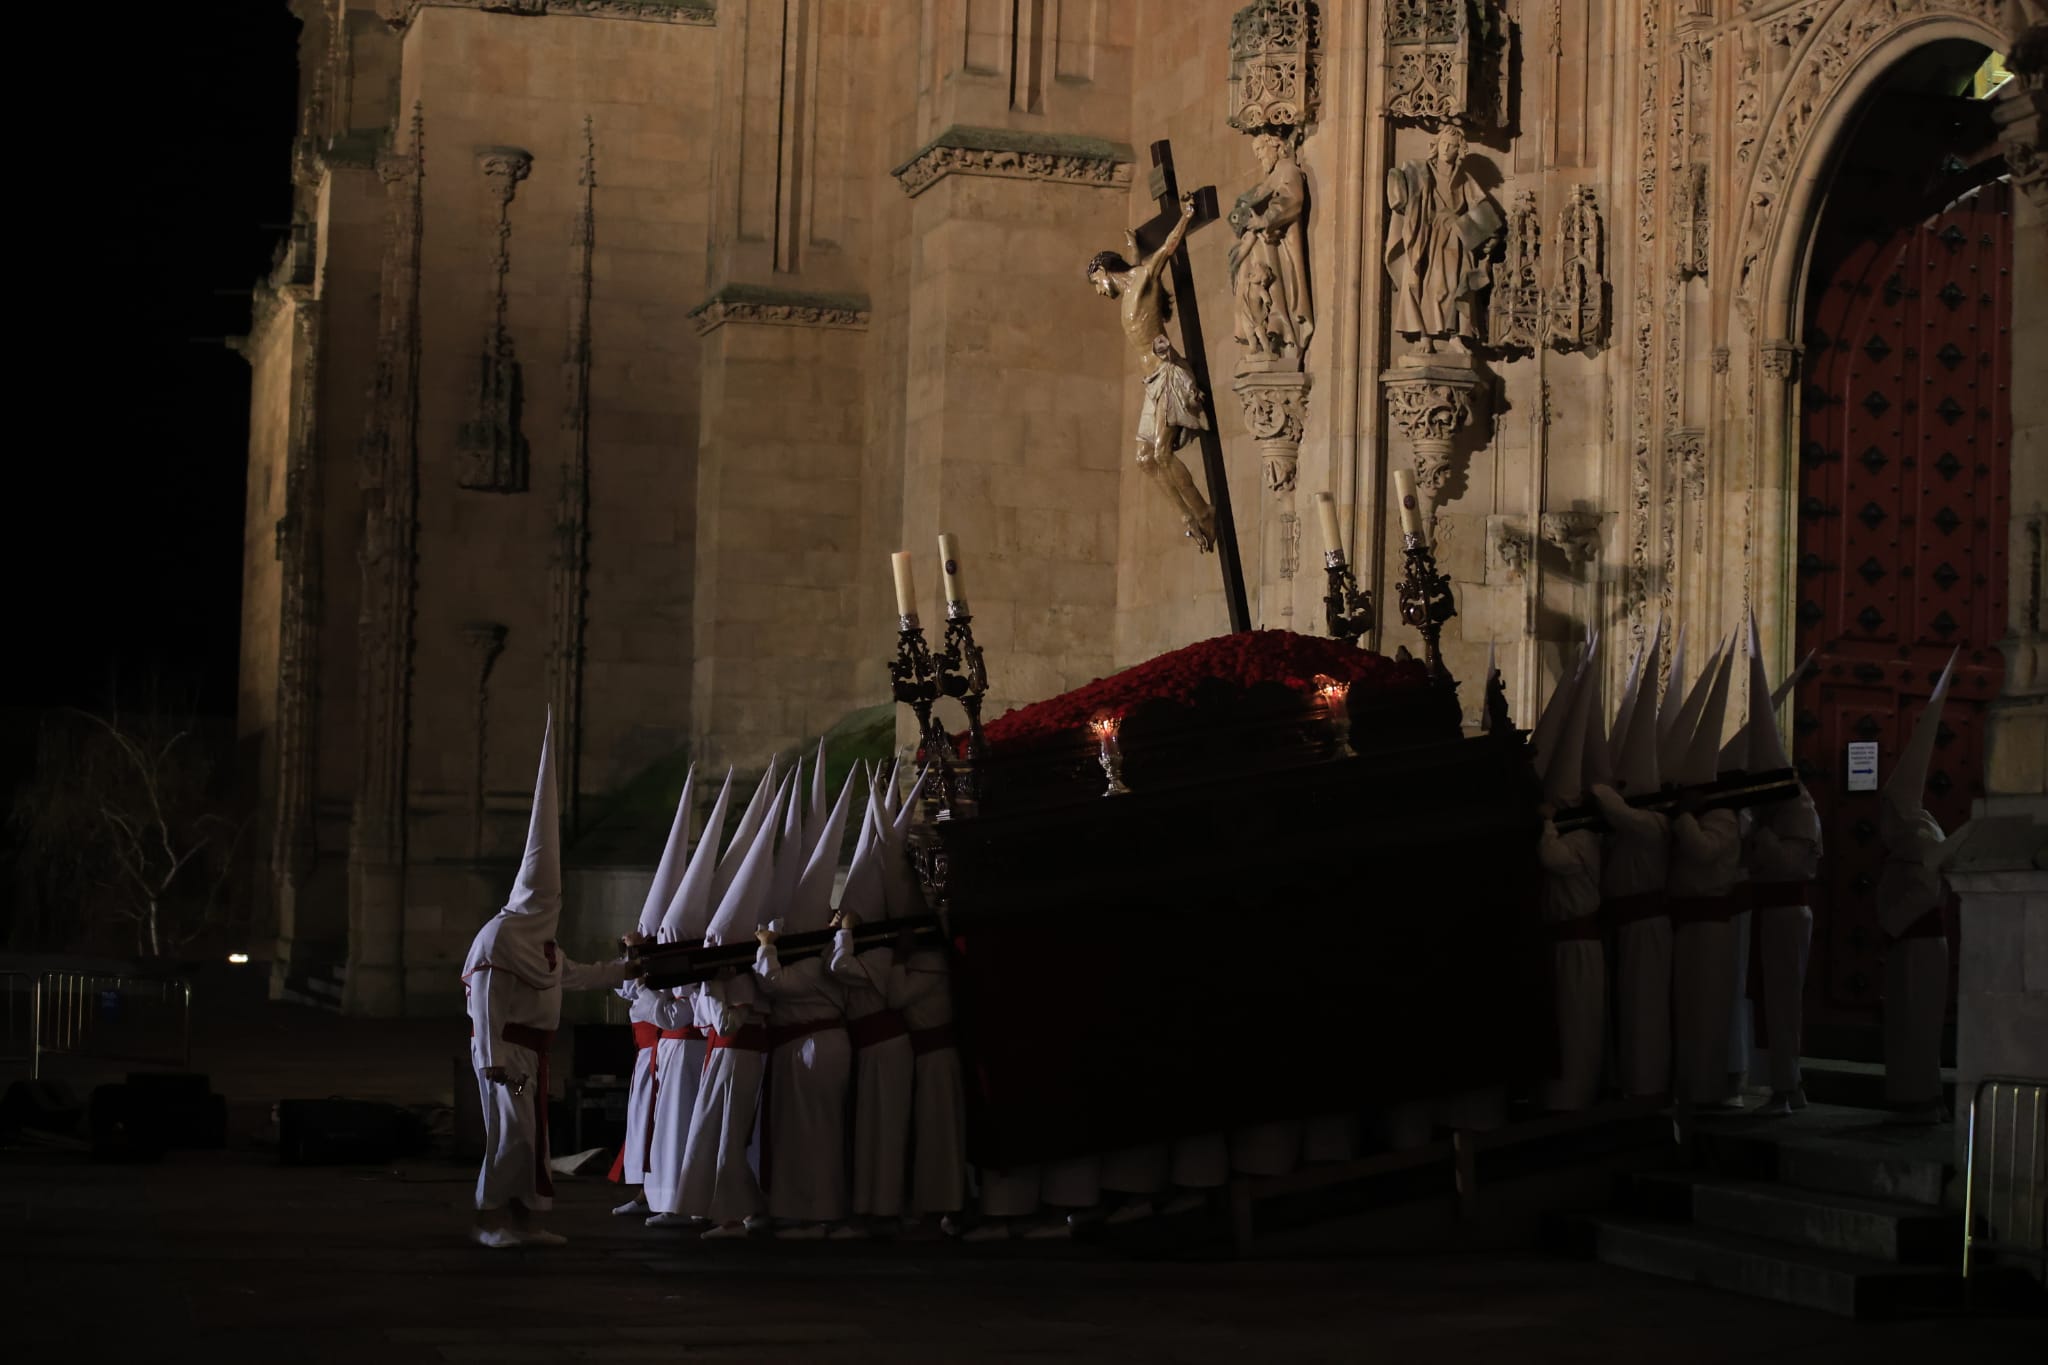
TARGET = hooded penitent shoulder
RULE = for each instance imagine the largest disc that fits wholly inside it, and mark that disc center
(751, 820)
(740, 909)
(668, 873)
(1905, 792)
(689, 909)
(811, 907)
(1702, 759)
(520, 938)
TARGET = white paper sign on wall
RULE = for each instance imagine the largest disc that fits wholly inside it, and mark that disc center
(1863, 766)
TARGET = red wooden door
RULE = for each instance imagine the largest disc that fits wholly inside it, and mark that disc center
(1904, 480)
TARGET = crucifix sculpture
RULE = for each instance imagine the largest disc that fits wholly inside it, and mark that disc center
(1178, 405)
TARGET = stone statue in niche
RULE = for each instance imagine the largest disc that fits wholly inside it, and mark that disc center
(1439, 223)
(1173, 410)
(1269, 261)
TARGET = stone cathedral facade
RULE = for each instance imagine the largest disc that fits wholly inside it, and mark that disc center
(618, 342)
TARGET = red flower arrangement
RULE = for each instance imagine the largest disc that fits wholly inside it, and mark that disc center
(1234, 662)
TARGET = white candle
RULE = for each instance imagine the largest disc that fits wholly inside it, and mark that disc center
(1326, 512)
(1411, 510)
(906, 586)
(949, 564)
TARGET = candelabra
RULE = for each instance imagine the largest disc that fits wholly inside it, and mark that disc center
(1346, 609)
(914, 677)
(961, 673)
(1426, 602)
(1111, 755)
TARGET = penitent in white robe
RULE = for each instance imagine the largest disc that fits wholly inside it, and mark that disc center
(503, 1007)
(938, 1130)
(1706, 864)
(1571, 913)
(1634, 868)
(1784, 858)
(882, 1078)
(678, 1071)
(810, 1066)
(717, 1181)
(642, 1007)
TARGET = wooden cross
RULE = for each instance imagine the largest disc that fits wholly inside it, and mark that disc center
(1150, 234)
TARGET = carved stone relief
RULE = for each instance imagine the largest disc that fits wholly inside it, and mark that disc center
(1439, 223)
(1428, 405)
(1577, 317)
(1514, 311)
(1275, 412)
(388, 475)
(1507, 549)
(493, 447)
(400, 13)
(1007, 155)
(570, 569)
(1576, 533)
(1269, 280)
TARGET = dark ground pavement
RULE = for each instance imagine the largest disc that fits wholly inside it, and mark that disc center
(228, 1256)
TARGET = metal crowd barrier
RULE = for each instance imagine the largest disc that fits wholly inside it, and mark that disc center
(2004, 1185)
(103, 1016)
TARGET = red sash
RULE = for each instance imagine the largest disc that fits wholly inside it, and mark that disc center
(540, 1042)
(645, 1036)
(1772, 895)
(1705, 909)
(688, 1033)
(750, 1038)
(1622, 910)
(937, 1038)
(778, 1034)
(1581, 929)
(878, 1027)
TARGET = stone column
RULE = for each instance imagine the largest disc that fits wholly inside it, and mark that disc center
(1275, 411)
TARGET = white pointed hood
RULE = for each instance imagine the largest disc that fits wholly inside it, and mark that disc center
(1702, 758)
(1758, 746)
(1599, 759)
(1642, 673)
(1905, 791)
(815, 815)
(1675, 742)
(689, 909)
(1564, 776)
(751, 820)
(1674, 689)
(899, 886)
(1784, 689)
(790, 852)
(741, 909)
(520, 938)
(1557, 713)
(675, 856)
(812, 906)
(863, 895)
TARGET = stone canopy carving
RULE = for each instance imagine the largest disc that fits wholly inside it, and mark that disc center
(1439, 222)
(1577, 316)
(1273, 75)
(1430, 45)
(780, 308)
(1514, 312)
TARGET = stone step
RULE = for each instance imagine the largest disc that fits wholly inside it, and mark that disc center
(1853, 1152)
(1858, 1084)
(1881, 1230)
(1807, 1277)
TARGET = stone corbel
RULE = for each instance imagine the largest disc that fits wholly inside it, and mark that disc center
(1507, 549)
(1275, 413)
(1576, 533)
(1781, 360)
(1428, 404)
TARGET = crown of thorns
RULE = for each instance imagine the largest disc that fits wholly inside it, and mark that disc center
(1106, 260)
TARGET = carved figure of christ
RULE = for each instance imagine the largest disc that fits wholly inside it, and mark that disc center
(1173, 411)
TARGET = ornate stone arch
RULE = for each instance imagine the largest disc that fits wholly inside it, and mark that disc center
(1844, 55)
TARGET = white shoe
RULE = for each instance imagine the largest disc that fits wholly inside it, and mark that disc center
(675, 1220)
(756, 1221)
(541, 1237)
(496, 1237)
(848, 1232)
(987, 1232)
(802, 1232)
(1132, 1212)
(949, 1225)
(724, 1231)
(634, 1207)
